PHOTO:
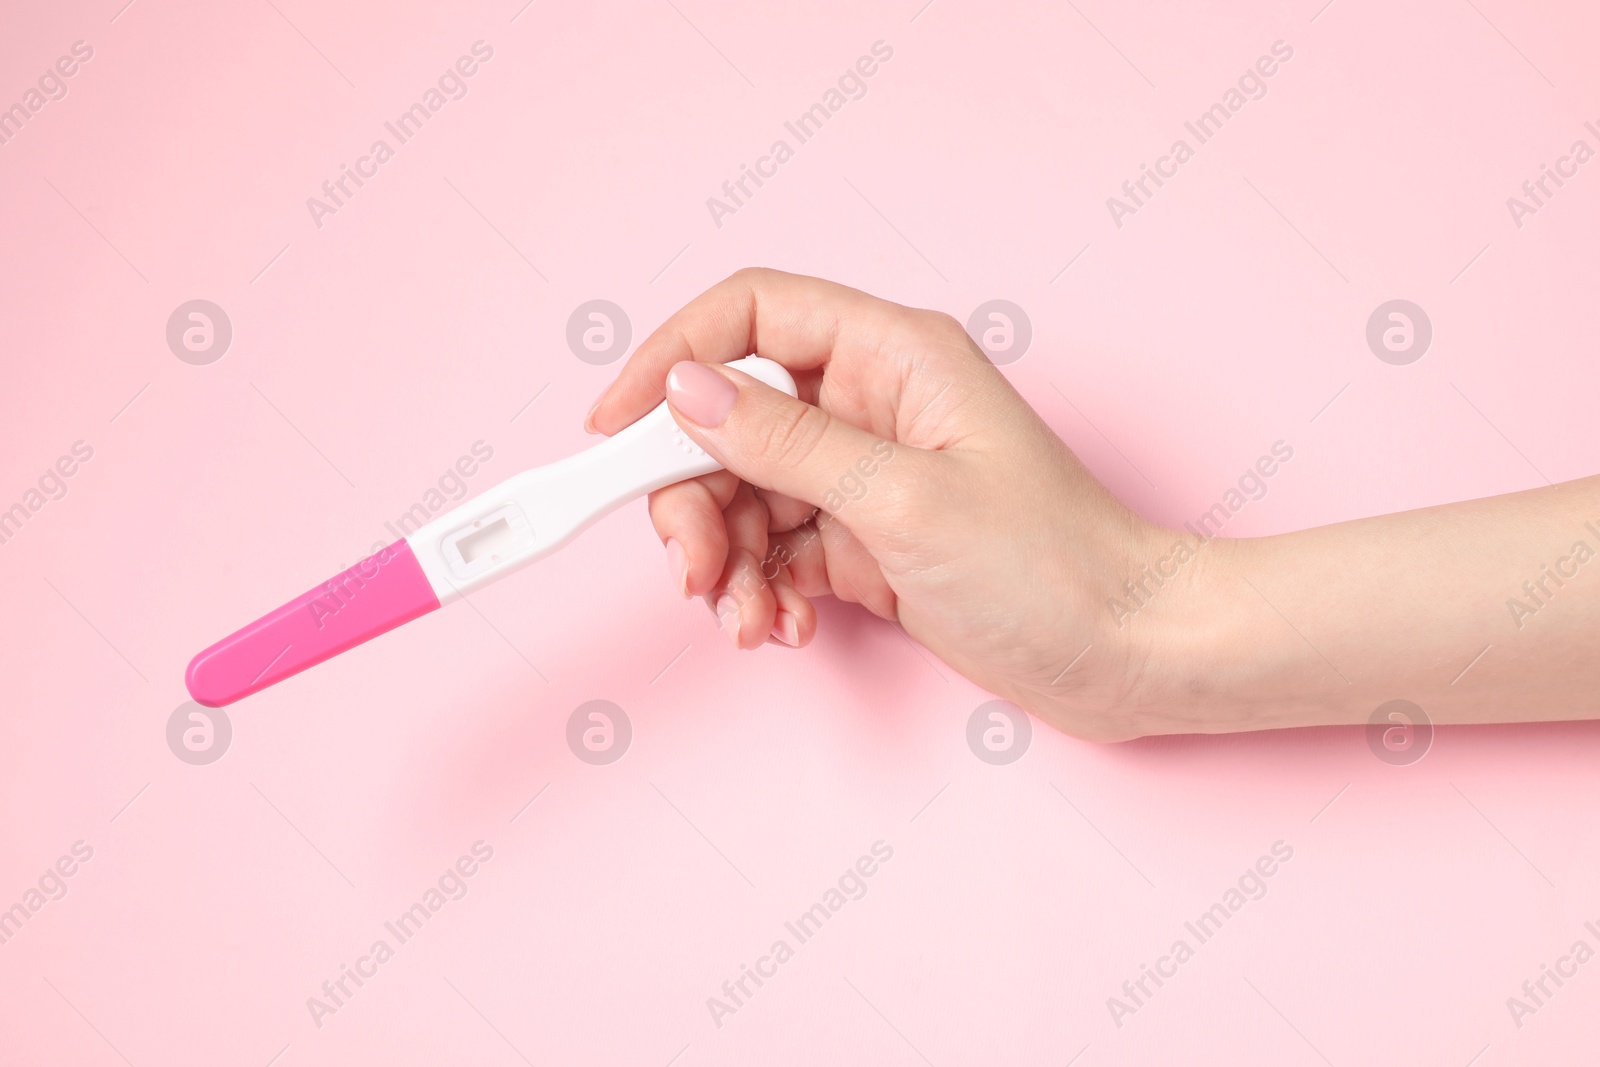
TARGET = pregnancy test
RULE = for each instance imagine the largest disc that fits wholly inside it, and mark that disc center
(524, 518)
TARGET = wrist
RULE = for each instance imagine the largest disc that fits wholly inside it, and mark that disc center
(1232, 648)
(1184, 617)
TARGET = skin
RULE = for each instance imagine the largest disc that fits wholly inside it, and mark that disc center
(912, 479)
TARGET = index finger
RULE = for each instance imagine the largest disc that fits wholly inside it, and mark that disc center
(802, 323)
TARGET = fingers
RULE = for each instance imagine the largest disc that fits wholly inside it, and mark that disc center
(688, 518)
(784, 512)
(855, 577)
(869, 373)
(799, 451)
(795, 623)
(745, 604)
(823, 558)
(797, 321)
(799, 553)
(715, 530)
(794, 620)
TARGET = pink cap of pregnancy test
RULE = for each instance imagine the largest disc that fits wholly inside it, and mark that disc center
(381, 592)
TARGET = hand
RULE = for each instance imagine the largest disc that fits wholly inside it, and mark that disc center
(910, 478)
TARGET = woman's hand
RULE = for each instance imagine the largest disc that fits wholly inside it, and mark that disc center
(909, 478)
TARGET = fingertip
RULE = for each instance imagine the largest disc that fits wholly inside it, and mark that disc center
(729, 618)
(744, 602)
(786, 628)
(702, 566)
(678, 566)
(794, 623)
(690, 514)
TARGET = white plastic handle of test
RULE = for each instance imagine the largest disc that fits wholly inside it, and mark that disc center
(530, 515)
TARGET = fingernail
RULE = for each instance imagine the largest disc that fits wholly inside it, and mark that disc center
(786, 628)
(700, 393)
(728, 617)
(588, 420)
(678, 564)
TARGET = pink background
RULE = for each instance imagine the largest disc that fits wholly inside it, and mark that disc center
(370, 353)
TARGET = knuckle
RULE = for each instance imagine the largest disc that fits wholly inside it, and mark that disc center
(939, 335)
(946, 323)
(927, 324)
(750, 275)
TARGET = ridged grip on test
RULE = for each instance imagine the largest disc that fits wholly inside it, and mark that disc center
(381, 592)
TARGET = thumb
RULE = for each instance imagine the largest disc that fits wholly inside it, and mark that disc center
(776, 442)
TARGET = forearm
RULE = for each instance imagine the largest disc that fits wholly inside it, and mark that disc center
(1484, 611)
